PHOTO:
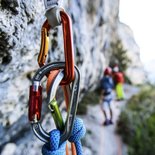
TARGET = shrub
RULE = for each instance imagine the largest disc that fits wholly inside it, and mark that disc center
(91, 98)
(136, 124)
(119, 56)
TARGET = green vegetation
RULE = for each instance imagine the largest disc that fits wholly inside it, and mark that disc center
(136, 124)
(89, 99)
(119, 56)
(91, 7)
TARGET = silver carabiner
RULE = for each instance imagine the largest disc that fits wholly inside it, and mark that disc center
(36, 126)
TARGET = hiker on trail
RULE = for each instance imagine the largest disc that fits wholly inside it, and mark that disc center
(106, 94)
(118, 78)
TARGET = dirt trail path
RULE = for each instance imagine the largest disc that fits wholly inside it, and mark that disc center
(103, 140)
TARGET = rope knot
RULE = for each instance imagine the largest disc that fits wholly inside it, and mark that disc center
(53, 148)
(78, 131)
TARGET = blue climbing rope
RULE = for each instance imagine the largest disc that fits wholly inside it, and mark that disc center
(78, 132)
(53, 148)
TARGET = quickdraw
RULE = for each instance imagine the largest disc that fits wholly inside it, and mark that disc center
(68, 51)
(58, 73)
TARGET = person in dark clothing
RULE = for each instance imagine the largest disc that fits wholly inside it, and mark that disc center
(107, 86)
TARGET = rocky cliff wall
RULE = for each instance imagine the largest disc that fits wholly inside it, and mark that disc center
(95, 24)
(135, 72)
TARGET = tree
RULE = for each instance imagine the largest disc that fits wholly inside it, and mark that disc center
(119, 56)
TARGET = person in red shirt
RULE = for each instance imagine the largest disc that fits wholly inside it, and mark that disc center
(118, 78)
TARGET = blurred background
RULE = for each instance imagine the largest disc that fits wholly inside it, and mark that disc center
(105, 33)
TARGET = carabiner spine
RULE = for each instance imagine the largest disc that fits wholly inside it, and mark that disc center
(68, 48)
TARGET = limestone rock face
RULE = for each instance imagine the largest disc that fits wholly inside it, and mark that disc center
(94, 25)
(135, 72)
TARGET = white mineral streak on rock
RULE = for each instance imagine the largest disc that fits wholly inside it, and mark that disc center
(9, 149)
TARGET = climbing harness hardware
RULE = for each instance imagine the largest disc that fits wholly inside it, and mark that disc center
(58, 73)
(35, 102)
(68, 46)
(69, 54)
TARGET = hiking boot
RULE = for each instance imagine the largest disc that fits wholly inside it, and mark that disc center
(111, 122)
(106, 122)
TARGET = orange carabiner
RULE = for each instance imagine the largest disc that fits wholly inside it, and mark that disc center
(68, 47)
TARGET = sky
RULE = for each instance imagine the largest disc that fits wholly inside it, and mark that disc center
(139, 15)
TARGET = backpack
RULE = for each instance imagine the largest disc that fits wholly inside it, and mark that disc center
(118, 77)
(106, 83)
